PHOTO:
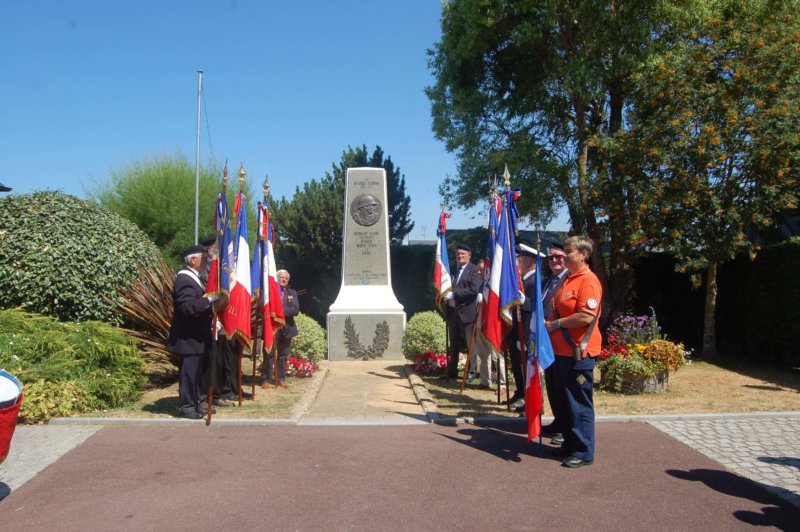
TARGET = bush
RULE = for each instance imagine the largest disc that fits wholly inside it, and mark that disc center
(310, 343)
(63, 257)
(425, 331)
(69, 367)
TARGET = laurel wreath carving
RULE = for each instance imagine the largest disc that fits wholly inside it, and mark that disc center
(359, 352)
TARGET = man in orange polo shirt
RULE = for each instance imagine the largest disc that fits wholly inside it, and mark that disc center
(576, 342)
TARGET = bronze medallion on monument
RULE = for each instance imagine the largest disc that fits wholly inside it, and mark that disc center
(365, 209)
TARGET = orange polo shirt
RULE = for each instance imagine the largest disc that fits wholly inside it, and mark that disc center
(580, 292)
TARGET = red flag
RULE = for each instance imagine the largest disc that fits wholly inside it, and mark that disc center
(533, 400)
(236, 315)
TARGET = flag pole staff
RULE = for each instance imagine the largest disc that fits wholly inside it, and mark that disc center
(213, 354)
(536, 366)
(197, 159)
(523, 345)
(263, 230)
(242, 207)
(446, 312)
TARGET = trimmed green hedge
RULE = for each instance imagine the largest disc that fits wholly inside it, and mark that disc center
(69, 368)
(425, 331)
(310, 343)
(64, 257)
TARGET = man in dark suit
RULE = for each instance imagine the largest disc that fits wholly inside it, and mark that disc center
(283, 338)
(555, 259)
(461, 307)
(526, 262)
(190, 330)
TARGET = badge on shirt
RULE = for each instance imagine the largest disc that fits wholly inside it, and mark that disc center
(568, 295)
(592, 303)
(581, 379)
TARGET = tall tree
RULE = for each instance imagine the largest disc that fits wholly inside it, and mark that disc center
(713, 129)
(400, 223)
(538, 84)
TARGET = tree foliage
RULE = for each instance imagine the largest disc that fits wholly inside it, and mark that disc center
(535, 84)
(714, 136)
(66, 257)
(158, 195)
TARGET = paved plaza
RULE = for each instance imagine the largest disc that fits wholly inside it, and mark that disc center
(364, 456)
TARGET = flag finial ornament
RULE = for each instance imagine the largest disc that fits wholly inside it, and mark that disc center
(266, 187)
(225, 177)
(506, 176)
(241, 174)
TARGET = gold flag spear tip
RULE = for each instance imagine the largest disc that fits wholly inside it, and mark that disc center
(507, 176)
(225, 176)
(266, 185)
(241, 173)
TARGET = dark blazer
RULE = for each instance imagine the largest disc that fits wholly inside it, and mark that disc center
(190, 330)
(529, 287)
(465, 292)
(291, 308)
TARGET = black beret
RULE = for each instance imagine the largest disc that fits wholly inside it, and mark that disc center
(193, 250)
(4, 188)
(464, 247)
(556, 245)
(209, 241)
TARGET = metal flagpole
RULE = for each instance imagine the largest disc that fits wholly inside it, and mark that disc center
(197, 159)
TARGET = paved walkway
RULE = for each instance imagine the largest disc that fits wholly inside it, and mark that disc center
(365, 393)
(764, 448)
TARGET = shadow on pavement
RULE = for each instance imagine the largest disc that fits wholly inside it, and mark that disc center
(499, 443)
(779, 513)
(788, 461)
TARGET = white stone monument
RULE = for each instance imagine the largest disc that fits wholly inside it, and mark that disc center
(366, 322)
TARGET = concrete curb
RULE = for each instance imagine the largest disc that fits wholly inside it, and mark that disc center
(423, 396)
(304, 403)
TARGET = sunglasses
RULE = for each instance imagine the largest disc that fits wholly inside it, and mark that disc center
(555, 257)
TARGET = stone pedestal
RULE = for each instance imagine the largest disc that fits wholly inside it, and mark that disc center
(366, 322)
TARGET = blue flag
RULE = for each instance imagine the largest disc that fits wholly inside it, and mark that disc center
(541, 348)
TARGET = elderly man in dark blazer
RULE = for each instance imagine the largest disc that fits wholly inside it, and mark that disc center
(461, 307)
(190, 330)
(283, 338)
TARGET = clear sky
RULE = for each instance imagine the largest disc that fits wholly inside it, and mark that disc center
(87, 86)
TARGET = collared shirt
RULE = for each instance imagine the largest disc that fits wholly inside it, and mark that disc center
(580, 292)
(460, 271)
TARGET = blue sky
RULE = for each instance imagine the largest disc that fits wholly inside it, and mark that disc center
(90, 86)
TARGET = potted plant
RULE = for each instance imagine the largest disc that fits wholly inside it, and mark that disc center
(637, 358)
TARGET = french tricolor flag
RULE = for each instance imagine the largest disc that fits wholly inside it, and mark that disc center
(265, 279)
(236, 316)
(441, 270)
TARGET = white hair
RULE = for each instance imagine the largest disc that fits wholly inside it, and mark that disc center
(188, 257)
(283, 271)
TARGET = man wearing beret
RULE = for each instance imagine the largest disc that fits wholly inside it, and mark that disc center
(190, 330)
(461, 307)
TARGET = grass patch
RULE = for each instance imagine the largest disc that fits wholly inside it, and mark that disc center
(700, 387)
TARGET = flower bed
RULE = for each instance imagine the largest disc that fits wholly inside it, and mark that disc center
(299, 367)
(637, 358)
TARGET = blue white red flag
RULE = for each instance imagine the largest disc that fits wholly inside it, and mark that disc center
(218, 278)
(264, 277)
(540, 355)
(503, 294)
(236, 315)
(441, 270)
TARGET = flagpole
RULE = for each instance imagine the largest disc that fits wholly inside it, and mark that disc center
(261, 330)
(197, 160)
(541, 384)
(213, 356)
(242, 212)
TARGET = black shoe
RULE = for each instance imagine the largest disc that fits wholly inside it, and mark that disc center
(230, 396)
(518, 405)
(557, 439)
(513, 399)
(192, 414)
(574, 461)
(221, 402)
(204, 411)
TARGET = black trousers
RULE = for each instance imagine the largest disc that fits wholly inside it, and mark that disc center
(223, 375)
(516, 361)
(284, 347)
(460, 336)
(189, 384)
